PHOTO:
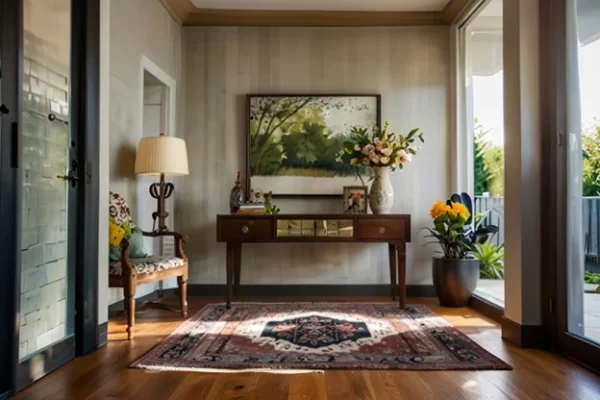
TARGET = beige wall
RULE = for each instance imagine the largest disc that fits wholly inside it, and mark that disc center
(137, 28)
(407, 66)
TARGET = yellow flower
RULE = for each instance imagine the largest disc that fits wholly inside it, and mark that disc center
(459, 210)
(116, 234)
(347, 150)
(438, 208)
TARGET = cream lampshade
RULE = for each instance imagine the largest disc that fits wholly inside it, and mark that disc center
(160, 156)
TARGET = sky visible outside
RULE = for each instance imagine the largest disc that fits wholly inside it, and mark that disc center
(488, 95)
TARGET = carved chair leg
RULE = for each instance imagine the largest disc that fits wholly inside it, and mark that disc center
(129, 291)
(182, 283)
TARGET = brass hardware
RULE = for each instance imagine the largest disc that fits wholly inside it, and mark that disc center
(381, 230)
(245, 229)
(67, 178)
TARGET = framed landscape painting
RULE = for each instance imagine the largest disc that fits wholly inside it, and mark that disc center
(294, 141)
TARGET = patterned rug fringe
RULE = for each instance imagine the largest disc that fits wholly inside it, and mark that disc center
(164, 368)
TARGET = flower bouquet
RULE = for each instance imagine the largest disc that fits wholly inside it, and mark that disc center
(382, 151)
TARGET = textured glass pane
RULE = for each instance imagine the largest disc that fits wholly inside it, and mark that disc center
(43, 315)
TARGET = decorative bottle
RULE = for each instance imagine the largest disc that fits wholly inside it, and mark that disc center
(236, 199)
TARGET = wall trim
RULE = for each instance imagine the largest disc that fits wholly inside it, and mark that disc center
(524, 336)
(120, 305)
(218, 290)
(186, 14)
(148, 65)
(102, 334)
(490, 310)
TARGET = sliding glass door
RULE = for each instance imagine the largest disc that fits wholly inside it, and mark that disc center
(577, 189)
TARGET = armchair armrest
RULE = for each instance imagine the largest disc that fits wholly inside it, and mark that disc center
(180, 238)
(176, 235)
(126, 266)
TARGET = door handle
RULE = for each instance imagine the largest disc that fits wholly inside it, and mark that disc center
(67, 177)
(70, 178)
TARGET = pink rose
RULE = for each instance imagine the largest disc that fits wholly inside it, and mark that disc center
(374, 157)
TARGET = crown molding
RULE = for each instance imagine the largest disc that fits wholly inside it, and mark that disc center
(188, 15)
(213, 17)
(179, 9)
(453, 9)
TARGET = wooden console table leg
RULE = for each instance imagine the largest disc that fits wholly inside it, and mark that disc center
(237, 270)
(393, 278)
(401, 250)
(230, 267)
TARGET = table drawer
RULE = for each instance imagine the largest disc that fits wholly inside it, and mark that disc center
(246, 229)
(382, 229)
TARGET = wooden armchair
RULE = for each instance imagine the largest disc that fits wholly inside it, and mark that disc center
(128, 273)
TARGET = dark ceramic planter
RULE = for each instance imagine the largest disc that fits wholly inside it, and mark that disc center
(455, 280)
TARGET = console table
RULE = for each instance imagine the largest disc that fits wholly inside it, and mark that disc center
(393, 229)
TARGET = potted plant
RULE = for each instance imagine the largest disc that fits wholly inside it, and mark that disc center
(456, 271)
(382, 151)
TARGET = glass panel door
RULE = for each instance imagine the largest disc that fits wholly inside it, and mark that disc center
(484, 97)
(580, 327)
(48, 189)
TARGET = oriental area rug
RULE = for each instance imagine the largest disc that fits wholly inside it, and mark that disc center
(317, 336)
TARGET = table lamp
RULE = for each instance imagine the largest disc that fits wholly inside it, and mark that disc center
(161, 156)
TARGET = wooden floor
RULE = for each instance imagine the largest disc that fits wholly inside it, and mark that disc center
(105, 374)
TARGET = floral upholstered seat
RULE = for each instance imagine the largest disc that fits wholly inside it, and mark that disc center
(148, 265)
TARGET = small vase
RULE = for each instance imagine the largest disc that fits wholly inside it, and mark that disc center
(236, 198)
(381, 194)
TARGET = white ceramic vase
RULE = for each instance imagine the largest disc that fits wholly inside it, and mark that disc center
(381, 194)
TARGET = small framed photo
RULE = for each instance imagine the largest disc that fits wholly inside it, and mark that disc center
(355, 199)
(256, 196)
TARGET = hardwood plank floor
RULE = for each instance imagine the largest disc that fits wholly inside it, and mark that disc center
(105, 374)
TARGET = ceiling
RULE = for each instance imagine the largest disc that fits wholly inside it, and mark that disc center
(304, 13)
(325, 5)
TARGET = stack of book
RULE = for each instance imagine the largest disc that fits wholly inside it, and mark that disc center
(251, 209)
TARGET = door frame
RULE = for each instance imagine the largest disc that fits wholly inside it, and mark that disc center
(553, 92)
(11, 39)
(85, 54)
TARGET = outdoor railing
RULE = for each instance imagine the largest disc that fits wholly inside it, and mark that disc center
(591, 226)
(591, 220)
(494, 206)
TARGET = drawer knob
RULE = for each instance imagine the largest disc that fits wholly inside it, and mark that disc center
(381, 230)
(245, 229)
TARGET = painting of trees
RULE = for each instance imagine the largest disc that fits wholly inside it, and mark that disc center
(301, 136)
